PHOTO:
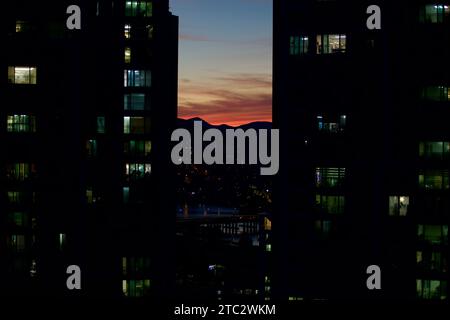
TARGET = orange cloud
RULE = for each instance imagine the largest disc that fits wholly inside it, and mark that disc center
(233, 99)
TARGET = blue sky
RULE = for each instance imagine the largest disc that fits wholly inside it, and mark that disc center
(225, 60)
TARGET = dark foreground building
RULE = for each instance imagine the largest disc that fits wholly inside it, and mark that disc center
(365, 149)
(85, 174)
(223, 255)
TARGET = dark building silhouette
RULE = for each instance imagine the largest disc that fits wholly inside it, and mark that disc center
(364, 173)
(223, 255)
(86, 178)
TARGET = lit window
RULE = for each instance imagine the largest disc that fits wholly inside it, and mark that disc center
(268, 248)
(431, 289)
(22, 75)
(135, 266)
(127, 55)
(23, 26)
(398, 205)
(136, 125)
(136, 102)
(330, 177)
(433, 234)
(91, 148)
(330, 204)
(137, 148)
(331, 124)
(127, 31)
(436, 93)
(431, 261)
(101, 124)
(138, 9)
(267, 224)
(434, 179)
(136, 171)
(62, 241)
(16, 197)
(137, 78)
(331, 43)
(149, 31)
(89, 196)
(434, 13)
(135, 288)
(20, 171)
(126, 195)
(298, 45)
(16, 242)
(21, 123)
(434, 150)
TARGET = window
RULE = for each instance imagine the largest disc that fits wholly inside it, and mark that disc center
(138, 9)
(21, 123)
(16, 242)
(135, 288)
(433, 205)
(298, 45)
(89, 196)
(148, 32)
(138, 32)
(434, 150)
(91, 148)
(22, 75)
(23, 26)
(330, 177)
(62, 241)
(136, 125)
(434, 179)
(126, 195)
(137, 148)
(135, 266)
(137, 78)
(18, 219)
(136, 102)
(16, 197)
(20, 197)
(433, 234)
(432, 261)
(92, 196)
(330, 204)
(434, 13)
(127, 56)
(431, 289)
(267, 224)
(20, 171)
(323, 227)
(436, 93)
(331, 124)
(134, 194)
(398, 205)
(136, 171)
(331, 43)
(127, 31)
(101, 124)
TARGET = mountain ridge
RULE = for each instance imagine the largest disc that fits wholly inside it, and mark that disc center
(189, 123)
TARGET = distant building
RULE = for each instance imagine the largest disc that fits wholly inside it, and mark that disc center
(364, 172)
(223, 255)
(85, 166)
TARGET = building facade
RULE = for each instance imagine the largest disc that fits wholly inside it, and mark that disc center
(85, 127)
(364, 173)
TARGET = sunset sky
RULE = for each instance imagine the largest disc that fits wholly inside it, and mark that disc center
(225, 73)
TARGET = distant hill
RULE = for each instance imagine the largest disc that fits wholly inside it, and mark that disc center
(189, 124)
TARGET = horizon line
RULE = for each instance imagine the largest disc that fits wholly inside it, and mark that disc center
(233, 124)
